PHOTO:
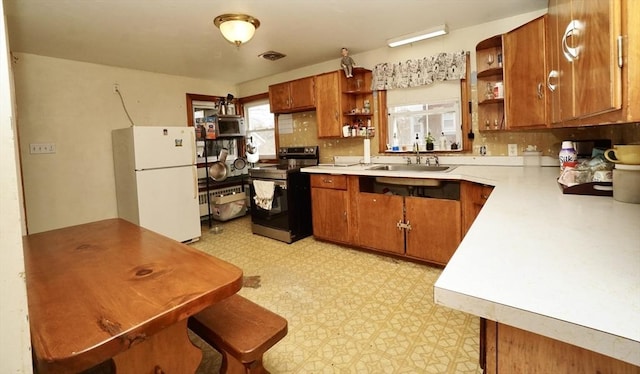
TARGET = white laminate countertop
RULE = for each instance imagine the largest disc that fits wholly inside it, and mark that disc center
(562, 266)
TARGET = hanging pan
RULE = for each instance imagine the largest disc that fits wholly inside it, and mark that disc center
(218, 170)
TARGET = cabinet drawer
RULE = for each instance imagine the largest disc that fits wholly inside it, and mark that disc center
(336, 182)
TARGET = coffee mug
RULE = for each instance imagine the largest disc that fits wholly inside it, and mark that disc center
(624, 154)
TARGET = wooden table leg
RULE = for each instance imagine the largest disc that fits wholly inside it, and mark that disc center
(168, 352)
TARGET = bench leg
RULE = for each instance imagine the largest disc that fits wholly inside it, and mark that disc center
(231, 365)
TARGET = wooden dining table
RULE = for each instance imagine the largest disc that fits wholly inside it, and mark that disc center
(113, 290)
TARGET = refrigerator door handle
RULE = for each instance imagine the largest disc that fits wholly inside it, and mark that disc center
(193, 141)
(195, 182)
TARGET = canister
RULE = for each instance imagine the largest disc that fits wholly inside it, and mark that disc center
(531, 158)
(626, 183)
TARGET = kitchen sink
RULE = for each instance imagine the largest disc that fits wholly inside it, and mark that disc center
(411, 167)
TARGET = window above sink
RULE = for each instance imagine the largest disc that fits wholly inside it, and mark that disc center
(413, 123)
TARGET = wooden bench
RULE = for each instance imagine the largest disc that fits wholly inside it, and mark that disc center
(241, 330)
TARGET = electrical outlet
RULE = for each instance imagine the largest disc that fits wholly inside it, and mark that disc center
(41, 148)
(116, 88)
(513, 149)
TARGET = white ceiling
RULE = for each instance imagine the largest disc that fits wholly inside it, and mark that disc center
(178, 36)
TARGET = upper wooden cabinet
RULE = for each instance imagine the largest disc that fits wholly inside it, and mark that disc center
(515, 63)
(585, 78)
(524, 76)
(490, 72)
(328, 88)
(593, 55)
(343, 101)
(293, 96)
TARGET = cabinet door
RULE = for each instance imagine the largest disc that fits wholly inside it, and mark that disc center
(328, 105)
(597, 82)
(513, 350)
(583, 54)
(472, 199)
(435, 228)
(524, 76)
(279, 98)
(378, 216)
(302, 93)
(560, 72)
(330, 214)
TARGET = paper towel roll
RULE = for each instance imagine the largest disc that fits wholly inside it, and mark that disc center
(367, 151)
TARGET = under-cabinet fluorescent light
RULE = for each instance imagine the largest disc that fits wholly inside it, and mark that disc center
(417, 36)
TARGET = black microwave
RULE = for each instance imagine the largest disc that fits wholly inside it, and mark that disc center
(221, 126)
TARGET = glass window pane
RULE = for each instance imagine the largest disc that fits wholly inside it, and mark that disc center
(411, 123)
(261, 127)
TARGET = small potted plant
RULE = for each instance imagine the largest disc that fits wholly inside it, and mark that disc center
(430, 140)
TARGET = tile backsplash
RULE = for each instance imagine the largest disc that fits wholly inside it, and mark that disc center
(547, 140)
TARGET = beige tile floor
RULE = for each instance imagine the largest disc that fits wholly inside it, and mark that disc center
(349, 311)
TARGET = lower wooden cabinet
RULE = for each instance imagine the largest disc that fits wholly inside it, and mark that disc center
(330, 207)
(435, 228)
(506, 349)
(418, 227)
(353, 210)
(377, 217)
(472, 197)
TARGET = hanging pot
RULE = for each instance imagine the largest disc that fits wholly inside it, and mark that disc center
(218, 170)
(252, 153)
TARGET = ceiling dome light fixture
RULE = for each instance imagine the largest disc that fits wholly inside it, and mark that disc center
(237, 28)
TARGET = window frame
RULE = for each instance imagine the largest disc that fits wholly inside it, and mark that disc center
(465, 114)
(259, 98)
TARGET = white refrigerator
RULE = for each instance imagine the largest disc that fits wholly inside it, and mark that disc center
(156, 179)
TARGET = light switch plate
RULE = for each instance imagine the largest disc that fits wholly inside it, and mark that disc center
(513, 149)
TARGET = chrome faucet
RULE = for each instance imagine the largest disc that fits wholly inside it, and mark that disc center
(435, 158)
(418, 160)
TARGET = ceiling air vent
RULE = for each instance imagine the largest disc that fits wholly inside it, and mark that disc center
(271, 55)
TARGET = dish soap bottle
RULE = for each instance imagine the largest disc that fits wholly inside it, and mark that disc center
(443, 142)
(395, 143)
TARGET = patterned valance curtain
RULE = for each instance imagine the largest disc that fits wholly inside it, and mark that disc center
(420, 72)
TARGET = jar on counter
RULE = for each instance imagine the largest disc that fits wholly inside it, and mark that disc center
(567, 153)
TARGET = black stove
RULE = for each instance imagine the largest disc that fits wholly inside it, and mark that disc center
(290, 160)
(286, 216)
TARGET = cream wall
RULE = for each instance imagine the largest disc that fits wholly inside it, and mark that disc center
(72, 104)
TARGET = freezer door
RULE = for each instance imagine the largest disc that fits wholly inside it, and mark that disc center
(168, 202)
(158, 147)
